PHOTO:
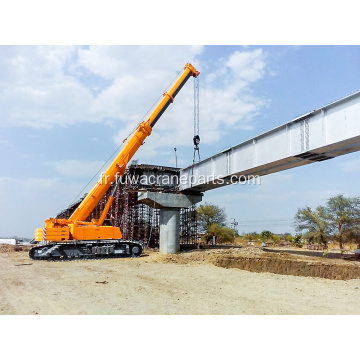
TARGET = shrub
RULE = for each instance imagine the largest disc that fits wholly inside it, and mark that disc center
(222, 234)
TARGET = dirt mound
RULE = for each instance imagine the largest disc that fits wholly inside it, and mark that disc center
(196, 256)
(257, 260)
(286, 264)
(182, 258)
(5, 248)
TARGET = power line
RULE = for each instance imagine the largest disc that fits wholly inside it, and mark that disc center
(280, 222)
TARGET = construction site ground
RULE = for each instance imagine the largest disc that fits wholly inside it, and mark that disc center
(195, 282)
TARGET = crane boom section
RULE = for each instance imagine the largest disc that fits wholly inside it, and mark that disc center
(118, 166)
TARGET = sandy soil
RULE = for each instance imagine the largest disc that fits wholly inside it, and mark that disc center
(155, 285)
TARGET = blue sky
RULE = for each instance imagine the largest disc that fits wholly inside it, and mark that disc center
(64, 110)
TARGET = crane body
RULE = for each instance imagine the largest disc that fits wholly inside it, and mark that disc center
(77, 238)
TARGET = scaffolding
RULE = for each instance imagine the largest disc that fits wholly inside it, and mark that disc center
(139, 221)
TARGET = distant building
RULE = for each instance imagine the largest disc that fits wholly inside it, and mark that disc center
(8, 241)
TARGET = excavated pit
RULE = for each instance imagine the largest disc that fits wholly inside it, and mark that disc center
(257, 260)
(284, 266)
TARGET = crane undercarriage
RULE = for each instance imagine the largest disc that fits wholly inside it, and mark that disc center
(86, 250)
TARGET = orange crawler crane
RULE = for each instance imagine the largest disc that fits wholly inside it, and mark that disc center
(75, 238)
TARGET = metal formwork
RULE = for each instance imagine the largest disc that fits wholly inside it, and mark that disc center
(188, 226)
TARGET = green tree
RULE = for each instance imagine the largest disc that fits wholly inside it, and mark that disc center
(297, 240)
(222, 234)
(288, 237)
(266, 235)
(209, 214)
(343, 215)
(251, 236)
(314, 223)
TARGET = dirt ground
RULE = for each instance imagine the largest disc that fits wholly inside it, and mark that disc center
(158, 284)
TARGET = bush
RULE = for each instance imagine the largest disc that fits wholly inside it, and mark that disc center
(222, 234)
(297, 240)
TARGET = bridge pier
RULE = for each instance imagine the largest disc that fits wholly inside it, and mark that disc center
(169, 230)
(169, 205)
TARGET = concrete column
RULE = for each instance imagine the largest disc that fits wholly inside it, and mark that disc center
(169, 230)
(169, 205)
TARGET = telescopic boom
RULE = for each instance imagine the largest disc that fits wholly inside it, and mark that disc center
(119, 164)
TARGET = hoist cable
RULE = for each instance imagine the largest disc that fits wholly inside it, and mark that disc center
(196, 106)
(196, 138)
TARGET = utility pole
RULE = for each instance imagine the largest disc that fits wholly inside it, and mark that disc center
(175, 158)
(234, 224)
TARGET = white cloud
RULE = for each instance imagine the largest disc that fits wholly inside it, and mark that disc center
(52, 86)
(36, 91)
(76, 168)
(226, 101)
(118, 62)
(27, 202)
(247, 66)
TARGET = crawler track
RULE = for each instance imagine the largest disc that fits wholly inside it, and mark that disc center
(86, 250)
